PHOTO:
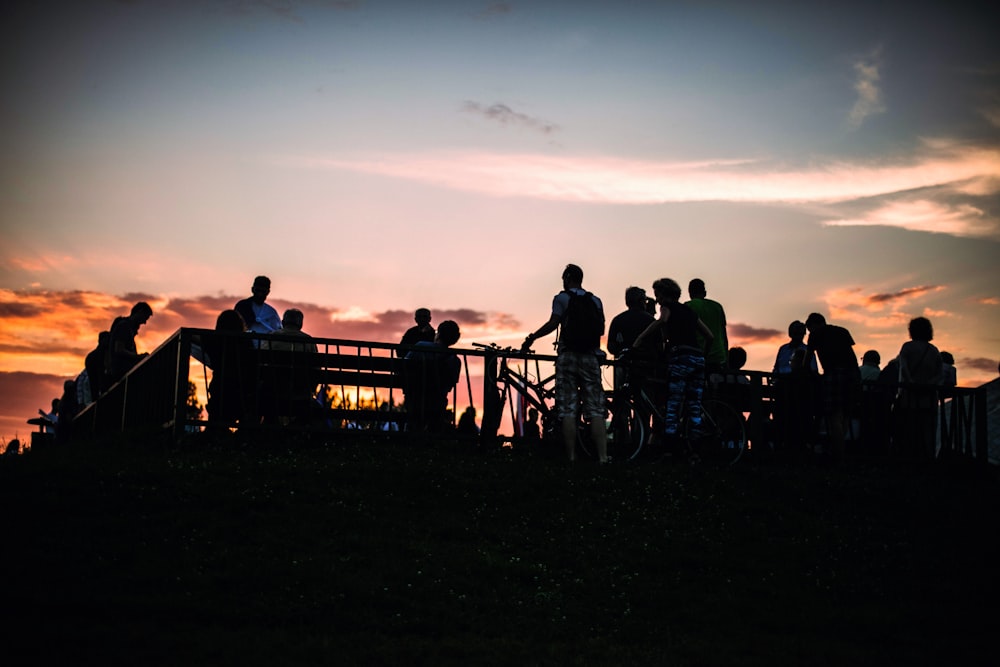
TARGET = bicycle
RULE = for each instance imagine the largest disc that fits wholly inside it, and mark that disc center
(719, 439)
(538, 393)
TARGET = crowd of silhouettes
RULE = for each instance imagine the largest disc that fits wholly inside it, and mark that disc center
(106, 364)
(819, 392)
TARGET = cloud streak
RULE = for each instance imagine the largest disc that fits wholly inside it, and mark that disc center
(504, 115)
(866, 85)
(607, 180)
(924, 215)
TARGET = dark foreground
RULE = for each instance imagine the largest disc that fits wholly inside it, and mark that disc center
(376, 553)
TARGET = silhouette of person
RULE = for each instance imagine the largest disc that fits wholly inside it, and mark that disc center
(68, 407)
(841, 379)
(50, 418)
(291, 325)
(622, 332)
(532, 430)
(258, 315)
(13, 448)
(874, 406)
(949, 374)
(578, 374)
(627, 325)
(869, 368)
(432, 371)
(793, 379)
(796, 341)
(121, 343)
(291, 383)
(679, 325)
(920, 371)
(232, 389)
(93, 364)
(421, 331)
(714, 316)
(467, 422)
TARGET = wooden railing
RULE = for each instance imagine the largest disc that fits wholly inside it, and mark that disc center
(366, 379)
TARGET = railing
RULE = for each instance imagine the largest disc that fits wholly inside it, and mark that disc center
(366, 381)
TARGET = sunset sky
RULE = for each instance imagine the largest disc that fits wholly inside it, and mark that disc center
(374, 156)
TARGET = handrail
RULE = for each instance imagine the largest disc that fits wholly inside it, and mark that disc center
(153, 394)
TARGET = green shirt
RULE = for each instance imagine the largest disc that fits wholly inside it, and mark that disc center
(711, 313)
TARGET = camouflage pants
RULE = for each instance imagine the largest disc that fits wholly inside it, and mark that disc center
(685, 385)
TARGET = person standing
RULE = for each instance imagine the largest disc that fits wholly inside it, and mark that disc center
(920, 373)
(794, 390)
(622, 332)
(258, 315)
(421, 331)
(579, 316)
(841, 379)
(679, 326)
(121, 346)
(714, 316)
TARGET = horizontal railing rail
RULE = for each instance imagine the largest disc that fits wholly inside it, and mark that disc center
(363, 384)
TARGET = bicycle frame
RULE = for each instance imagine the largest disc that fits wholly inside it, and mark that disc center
(508, 382)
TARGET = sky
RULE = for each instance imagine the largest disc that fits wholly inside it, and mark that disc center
(376, 156)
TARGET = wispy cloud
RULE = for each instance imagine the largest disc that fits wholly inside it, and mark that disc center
(980, 364)
(284, 9)
(504, 115)
(866, 85)
(903, 295)
(746, 334)
(952, 167)
(494, 9)
(927, 216)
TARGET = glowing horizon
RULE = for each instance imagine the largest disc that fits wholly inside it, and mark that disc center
(376, 157)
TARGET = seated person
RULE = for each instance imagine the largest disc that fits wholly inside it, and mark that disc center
(432, 372)
(289, 380)
(232, 391)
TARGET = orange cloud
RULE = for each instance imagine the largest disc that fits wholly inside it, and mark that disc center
(51, 332)
(878, 311)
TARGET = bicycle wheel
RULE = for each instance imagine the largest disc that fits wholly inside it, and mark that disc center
(629, 430)
(722, 438)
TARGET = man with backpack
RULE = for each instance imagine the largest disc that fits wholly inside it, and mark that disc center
(579, 316)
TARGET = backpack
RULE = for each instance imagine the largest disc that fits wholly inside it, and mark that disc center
(582, 323)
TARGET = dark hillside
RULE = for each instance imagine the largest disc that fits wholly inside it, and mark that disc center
(375, 553)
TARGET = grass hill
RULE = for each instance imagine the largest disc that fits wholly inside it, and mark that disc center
(379, 553)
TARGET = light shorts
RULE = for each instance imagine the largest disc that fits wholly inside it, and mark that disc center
(578, 378)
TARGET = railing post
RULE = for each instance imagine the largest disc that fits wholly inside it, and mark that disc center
(182, 377)
(492, 408)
